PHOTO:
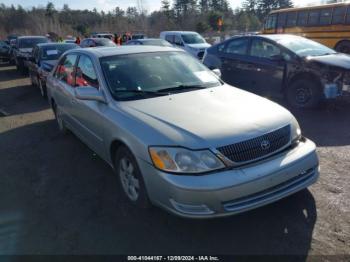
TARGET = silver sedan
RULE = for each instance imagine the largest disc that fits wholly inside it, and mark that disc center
(176, 135)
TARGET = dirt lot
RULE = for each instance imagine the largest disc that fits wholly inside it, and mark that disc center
(58, 197)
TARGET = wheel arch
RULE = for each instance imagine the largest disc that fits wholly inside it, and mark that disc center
(114, 145)
(303, 76)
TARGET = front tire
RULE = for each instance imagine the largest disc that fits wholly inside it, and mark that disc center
(303, 94)
(130, 178)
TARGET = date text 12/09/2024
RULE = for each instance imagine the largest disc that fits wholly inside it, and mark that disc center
(173, 258)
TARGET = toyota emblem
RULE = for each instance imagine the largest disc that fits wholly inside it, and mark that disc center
(265, 144)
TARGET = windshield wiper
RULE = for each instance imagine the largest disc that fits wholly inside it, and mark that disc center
(143, 92)
(182, 87)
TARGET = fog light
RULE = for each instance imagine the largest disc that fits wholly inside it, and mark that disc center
(191, 209)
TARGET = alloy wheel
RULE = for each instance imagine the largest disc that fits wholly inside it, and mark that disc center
(130, 183)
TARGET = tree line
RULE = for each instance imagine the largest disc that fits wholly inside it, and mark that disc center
(197, 15)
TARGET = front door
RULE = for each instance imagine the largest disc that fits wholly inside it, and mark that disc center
(267, 71)
(88, 115)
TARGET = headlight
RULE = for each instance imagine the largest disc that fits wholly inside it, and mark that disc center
(181, 160)
(295, 131)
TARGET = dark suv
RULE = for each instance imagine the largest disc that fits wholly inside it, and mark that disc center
(23, 49)
(302, 70)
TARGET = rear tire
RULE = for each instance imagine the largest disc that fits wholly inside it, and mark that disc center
(42, 87)
(303, 94)
(343, 47)
(131, 181)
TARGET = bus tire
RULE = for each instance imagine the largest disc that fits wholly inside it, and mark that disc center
(343, 47)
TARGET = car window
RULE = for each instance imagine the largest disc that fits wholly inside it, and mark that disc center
(264, 49)
(237, 46)
(170, 38)
(65, 69)
(85, 73)
(85, 43)
(31, 42)
(177, 40)
(338, 15)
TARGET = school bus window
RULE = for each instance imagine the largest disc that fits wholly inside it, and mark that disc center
(291, 19)
(271, 22)
(325, 16)
(281, 20)
(347, 19)
(339, 15)
(302, 18)
(314, 17)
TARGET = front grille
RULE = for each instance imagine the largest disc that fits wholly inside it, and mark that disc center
(259, 147)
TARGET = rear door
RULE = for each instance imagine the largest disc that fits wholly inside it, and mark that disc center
(64, 87)
(235, 63)
(266, 76)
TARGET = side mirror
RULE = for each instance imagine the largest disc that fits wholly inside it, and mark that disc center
(89, 93)
(179, 44)
(217, 72)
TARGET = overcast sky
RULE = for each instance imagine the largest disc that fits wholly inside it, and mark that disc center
(107, 5)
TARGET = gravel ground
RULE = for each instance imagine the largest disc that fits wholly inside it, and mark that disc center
(58, 197)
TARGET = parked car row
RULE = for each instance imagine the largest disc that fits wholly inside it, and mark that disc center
(178, 135)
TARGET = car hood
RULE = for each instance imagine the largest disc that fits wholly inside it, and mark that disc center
(336, 60)
(25, 50)
(199, 46)
(207, 118)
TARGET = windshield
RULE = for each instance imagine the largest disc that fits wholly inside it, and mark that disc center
(304, 47)
(131, 76)
(104, 42)
(54, 52)
(31, 42)
(157, 42)
(193, 39)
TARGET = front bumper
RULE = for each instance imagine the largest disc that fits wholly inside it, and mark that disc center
(233, 191)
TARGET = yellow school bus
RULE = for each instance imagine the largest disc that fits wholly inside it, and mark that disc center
(326, 24)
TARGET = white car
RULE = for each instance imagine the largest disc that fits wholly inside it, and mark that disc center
(191, 42)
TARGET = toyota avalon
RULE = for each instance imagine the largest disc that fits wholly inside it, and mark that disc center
(177, 136)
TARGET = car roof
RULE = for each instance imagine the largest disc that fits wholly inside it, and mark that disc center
(276, 37)
(273, 37)
(55, 44)
(31, 36)
(179, 32)
(97, 39)
(146, 39)
(124, 50)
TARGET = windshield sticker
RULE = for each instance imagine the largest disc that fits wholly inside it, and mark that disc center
(52, 52)
(205, 76)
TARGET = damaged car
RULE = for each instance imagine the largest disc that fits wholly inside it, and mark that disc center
(305, 72)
